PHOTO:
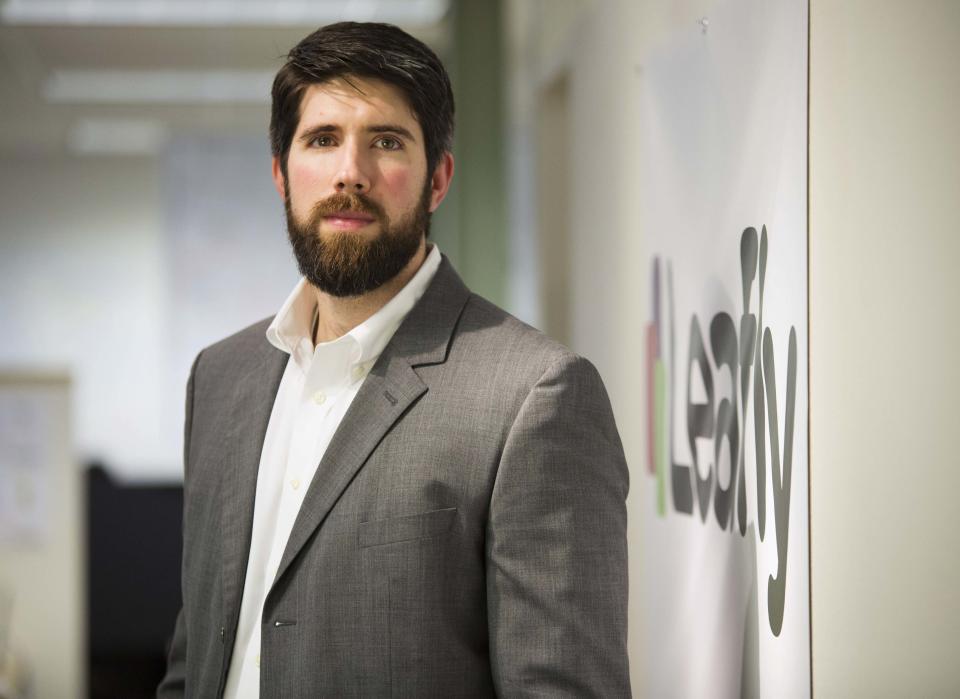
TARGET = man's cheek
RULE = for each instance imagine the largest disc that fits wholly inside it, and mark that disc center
(307, 179)
(397, 182)
(305, 187)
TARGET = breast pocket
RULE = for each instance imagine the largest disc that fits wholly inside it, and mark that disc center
(407, 527)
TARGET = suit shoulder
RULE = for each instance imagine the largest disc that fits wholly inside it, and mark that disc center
(248, 339)
(493, 335)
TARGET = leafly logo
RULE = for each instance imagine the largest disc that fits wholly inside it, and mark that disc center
(748, 355)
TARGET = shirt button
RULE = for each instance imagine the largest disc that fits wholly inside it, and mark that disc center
(357, 372)
(319, 397)
(295, 483)
(256, 661)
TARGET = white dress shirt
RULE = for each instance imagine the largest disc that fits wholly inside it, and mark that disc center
(317, 387)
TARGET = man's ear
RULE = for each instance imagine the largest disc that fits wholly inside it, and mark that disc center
(440, 181)
(278, 179)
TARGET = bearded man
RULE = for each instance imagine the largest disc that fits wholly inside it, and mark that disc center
(392, 487)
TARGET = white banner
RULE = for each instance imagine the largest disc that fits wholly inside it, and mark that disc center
(725, 506)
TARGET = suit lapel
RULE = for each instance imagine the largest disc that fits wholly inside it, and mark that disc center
(251, 407)
(391, 387)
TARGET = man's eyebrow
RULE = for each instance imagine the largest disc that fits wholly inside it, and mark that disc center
(318, 130)
(392, 128)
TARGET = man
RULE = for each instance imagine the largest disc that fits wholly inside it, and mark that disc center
(392, 488)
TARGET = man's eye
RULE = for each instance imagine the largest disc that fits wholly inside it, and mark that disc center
(389, 143)
(322, 141)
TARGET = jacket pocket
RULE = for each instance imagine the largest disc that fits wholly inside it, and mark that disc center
(407, 527)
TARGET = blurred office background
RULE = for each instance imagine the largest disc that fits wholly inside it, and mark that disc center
(138, 223)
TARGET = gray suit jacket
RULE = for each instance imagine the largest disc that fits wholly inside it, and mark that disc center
(464, 536)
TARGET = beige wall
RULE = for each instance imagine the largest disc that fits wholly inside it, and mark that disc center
(884, 310)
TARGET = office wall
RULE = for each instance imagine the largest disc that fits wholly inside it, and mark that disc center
(119, 269)
(884, 331)
(884, 300)
(81, 287)
(470, 226)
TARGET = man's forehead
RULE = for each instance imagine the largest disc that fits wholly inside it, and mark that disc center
(357, 94)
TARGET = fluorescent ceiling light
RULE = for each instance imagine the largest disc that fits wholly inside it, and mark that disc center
(218, 12)
(159, 86)
(117, 137)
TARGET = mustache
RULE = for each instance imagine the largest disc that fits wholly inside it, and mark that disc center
(342, 201)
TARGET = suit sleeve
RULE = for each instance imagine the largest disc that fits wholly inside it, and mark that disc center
(174, 681)
(556, 544)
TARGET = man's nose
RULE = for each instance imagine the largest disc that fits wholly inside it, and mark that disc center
(352, 175)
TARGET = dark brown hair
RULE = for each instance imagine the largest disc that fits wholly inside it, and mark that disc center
(365, 50)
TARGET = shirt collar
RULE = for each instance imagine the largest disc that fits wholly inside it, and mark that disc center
(291, 330)
(294, 321)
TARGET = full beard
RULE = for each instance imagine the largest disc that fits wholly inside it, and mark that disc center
(347, 264)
